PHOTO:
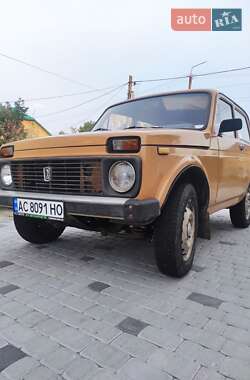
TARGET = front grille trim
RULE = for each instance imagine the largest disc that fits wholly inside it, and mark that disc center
(76, 176)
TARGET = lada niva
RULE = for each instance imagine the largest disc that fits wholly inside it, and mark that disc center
(160, 164)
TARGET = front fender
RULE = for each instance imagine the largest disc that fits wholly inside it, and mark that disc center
(174, 173)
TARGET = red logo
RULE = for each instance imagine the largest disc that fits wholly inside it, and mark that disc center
(191, 19)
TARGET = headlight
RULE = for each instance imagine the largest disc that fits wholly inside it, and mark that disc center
(6, 177)
(122, 176)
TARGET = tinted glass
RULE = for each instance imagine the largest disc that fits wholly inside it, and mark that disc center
(224, 111)
(184, 111)
(244, 132)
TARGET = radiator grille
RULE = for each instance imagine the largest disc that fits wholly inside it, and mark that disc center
(71, 176)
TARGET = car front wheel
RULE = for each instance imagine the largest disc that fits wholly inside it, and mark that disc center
(176, 232)
(38, 231)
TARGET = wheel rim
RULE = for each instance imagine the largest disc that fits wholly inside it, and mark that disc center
(247, 204)
(188, 231)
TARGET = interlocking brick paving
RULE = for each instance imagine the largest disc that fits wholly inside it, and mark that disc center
(93, 307)
(4, 264)
(9, 355)
(205, 300)
(7, 289)
(132, 326)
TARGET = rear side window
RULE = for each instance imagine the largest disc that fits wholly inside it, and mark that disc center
(224, 111)
(244, 132)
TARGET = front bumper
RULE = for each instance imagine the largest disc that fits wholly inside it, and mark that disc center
(125, 210)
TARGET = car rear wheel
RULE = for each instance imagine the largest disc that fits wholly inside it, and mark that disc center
(176, 232)
(240, 214)
(38, 231)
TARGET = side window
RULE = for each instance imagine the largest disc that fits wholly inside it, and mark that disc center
(244, 132)
(224, 111)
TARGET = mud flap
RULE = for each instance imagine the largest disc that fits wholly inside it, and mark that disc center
(204, 231)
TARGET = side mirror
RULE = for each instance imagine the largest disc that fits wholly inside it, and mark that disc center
(230, 125)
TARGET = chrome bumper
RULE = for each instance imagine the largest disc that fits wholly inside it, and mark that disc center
(127, 210)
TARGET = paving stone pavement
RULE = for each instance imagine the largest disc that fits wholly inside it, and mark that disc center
(93, 307)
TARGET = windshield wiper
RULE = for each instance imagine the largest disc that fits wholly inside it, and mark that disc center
(100, 129)
(134, 127)
(137, 127)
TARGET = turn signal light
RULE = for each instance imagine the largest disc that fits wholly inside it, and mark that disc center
(7, 151)
(124, 144)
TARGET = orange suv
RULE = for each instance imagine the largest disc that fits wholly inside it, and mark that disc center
(160, 164)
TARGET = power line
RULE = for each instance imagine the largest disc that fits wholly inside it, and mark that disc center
(45, 71)
(146, 81)
(60, 96)
(100, 90)
(101, 106)
(161, 79)
(222, 71)
(83, 103)
(194, 75)
(151, 89)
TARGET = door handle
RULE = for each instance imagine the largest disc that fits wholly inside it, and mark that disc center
(242, 147)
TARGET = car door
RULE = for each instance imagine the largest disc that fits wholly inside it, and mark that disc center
(244, 141)
(231, 165)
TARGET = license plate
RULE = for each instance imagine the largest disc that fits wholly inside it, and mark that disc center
(38, 208)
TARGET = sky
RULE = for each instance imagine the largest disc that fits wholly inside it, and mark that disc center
(98, 44)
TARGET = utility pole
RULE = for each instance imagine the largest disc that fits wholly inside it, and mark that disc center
(190, 81)
(130, 87)
(190, 78)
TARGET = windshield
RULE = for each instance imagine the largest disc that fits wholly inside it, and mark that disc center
(183, 110)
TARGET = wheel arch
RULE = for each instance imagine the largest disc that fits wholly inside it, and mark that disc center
(196, 176)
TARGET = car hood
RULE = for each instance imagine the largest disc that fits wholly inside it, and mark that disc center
(173, 137)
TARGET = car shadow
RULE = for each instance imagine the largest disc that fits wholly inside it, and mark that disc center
(123, 252)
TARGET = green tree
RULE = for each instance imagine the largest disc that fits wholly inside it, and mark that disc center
(11, 128)
(87, 126)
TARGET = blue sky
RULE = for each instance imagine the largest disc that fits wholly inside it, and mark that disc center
(99, 43)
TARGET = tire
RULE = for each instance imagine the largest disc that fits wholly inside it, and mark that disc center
(179, 218)
(240, 214)
(38, 231)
